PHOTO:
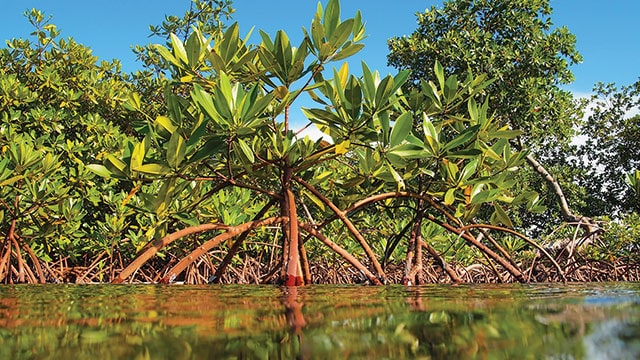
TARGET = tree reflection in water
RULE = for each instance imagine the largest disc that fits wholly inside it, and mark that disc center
(465, 321)
(295, 319)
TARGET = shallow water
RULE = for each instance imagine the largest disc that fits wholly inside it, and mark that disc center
(587, 321)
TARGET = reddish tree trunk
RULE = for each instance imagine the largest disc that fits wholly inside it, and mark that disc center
(294, 269)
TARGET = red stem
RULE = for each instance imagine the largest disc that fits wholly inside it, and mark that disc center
(204, 248)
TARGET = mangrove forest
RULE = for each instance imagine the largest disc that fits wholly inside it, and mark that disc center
(462, 167)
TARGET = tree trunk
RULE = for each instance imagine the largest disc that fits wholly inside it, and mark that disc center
(293, 274)
(294, 269)
(413, 265)
(586, 223)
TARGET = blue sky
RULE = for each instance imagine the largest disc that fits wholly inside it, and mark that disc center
(608, 33)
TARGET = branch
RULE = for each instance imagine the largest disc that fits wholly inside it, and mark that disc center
(204, 248)
(342, 215)
(403, 194)
(154, 246)
(483, 248)
(443, 264)
(526, 239)
(236, 245)
(568, 215)
(586, 223)
(342, 252)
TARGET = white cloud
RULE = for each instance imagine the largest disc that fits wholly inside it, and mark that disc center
(314, 133)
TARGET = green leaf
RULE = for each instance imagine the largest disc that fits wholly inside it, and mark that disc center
(396, 160)
(166, 54)
(468, 170)
(439, 71)
(358, 27)
(451, 170)
(396, 177)
(353, 182)
(283, 54)
(192, 48)
(228, 47)
(322, 117)
(331, 17)
(257, 107)
(133, 102)
(153, 168)
(450, 88)
(173, 105)
(400, 78)
(175, 150)
(401, 128)
(475, 190)
(137, 156)
(217, 62)
(98, 169)
(369, 81)
(499, 216)
(204, 100)
(210, 148)
(465, 154)
(431, 136)
(347, 51)
(480, 197)
(317, 30)
(341, 34)
(187, 219)
(385, 126)
(178, 49)
(223, 99)
(408, 151)
(505, 134)
(472, 108)
(353, 96)
(246, 150)
(384, 91)
(467, 135)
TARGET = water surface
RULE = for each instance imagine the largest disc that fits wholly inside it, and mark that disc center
(587, 321)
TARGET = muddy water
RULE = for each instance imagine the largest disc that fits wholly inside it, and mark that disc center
(587, 321)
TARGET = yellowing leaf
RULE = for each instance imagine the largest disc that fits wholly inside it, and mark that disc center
(115, 165)
(314, 199)
(131, 194)
(281, 92)
(178, 49)
(449, 196)
(344, 74)
(11, 180)
(166, 124)
(342, 147)
(133, 102)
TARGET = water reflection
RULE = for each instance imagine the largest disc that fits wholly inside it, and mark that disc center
(184, 322)
(613, 339)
